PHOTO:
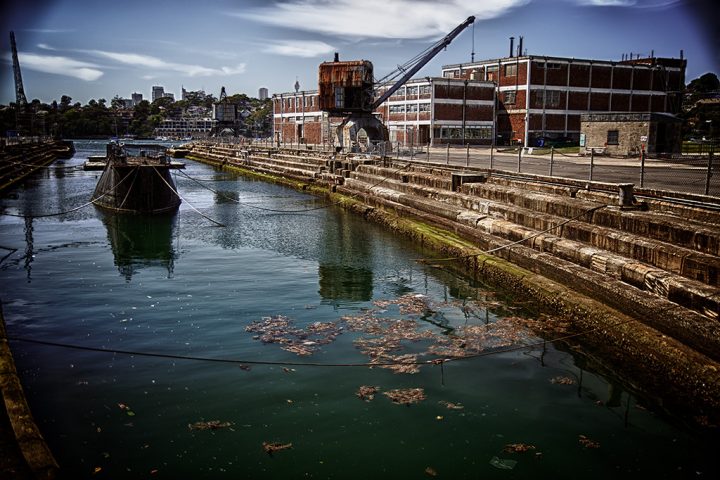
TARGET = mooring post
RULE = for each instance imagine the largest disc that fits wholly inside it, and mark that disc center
(642, 167)
(592, 163)
(447, 154)
(709, 172)
(552, 158)
(467, 156)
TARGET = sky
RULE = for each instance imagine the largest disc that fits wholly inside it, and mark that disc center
(92, 49)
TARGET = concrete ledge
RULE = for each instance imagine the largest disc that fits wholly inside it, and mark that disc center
(31, 442)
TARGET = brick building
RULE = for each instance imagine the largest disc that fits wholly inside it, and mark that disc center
(426, 110)
(543, 97)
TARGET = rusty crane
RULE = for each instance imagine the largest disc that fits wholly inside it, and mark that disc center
(347, 89)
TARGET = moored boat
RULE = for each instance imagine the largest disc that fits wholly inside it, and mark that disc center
(137, 183)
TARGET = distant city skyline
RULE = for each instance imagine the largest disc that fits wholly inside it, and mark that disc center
(92, 50)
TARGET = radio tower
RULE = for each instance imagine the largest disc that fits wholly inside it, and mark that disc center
(20, 98)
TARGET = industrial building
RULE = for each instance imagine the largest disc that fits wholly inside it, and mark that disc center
(425, 110)
(541, 99)
(521, 99)
(630, 133)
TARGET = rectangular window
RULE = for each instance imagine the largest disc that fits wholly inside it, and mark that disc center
(412, 108)
(509, 97)
(449, 74)
(312, 101)
(552, 98)
(424, 107)
(426, 90)
(553, 66)
(412, 91)
(511, 70)
(339, 97)
(613, 137)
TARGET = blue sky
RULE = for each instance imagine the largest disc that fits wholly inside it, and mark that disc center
(99, 49)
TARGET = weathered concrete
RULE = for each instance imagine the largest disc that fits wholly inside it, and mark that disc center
(19, 161)
(641, 286)
(37, 461)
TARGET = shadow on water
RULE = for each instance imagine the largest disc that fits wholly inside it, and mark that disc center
(139, 241)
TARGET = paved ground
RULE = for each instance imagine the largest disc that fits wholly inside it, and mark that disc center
(686, 175)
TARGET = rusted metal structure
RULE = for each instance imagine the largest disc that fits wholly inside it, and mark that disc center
(347, 89)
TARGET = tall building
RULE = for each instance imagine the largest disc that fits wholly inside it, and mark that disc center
(169, 95)
(136, 98)
(157, 92)
(263, 93)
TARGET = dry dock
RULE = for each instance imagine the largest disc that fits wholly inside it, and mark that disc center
(638, 282)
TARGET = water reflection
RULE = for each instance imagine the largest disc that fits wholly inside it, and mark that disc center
(343, 262)
(139, 241)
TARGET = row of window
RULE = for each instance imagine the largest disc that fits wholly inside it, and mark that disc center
(551, 98)
(410, 108)
(307, 102)
(484, 132)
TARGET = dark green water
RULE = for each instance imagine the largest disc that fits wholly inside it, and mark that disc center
(178, 285)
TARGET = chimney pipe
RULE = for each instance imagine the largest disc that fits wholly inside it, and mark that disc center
(512, 43)
(337, 57)
(520, 46)
(681, 54)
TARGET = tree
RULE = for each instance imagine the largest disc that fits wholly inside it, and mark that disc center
(704, 84)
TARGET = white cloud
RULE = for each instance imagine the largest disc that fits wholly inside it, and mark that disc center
(643, 4)
(377, 18)
(160, 64)
(299, 48)
(45, 46)
(607, 3)
(60, 66)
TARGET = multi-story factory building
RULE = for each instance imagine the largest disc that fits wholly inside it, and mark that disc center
(541, 98)
(527, 99)
(425, 110)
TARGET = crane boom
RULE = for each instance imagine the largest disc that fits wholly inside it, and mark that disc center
(20, 98)
(424, 60)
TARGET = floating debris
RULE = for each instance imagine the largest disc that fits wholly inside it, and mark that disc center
(244, 367)
(271, 448)
(366, 392)
(518, 447)
(502, 464)
(563, 380)
(431, 471)
(451, 405)
(281, 330)
(210, 425)
(126, 408)
(405, 396)
(587, 443)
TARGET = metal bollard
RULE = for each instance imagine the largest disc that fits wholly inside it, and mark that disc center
(447, 154)
(552, 158)
(592, 163)
(626, 197)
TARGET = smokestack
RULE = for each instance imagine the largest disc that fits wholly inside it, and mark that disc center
(337, 57)
(652, 53)
(681, 54)
(512, 43)
(520, 45)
